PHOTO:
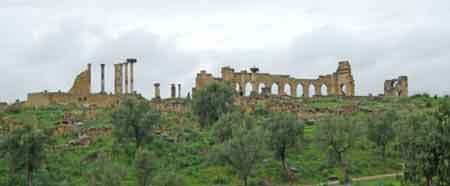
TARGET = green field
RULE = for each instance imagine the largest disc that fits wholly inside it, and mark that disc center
(184, 149)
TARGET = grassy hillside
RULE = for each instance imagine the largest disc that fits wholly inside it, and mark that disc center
(185, 152)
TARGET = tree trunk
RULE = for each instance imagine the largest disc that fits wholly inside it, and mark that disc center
(245, 181)
(30, 176)
(347, 179)
(429, 181)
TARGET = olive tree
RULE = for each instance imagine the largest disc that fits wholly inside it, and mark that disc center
(381, 130)
(210, 102)
(134, 121)
(424, 146)
(337, 137)
(284, 131)
(24, 147)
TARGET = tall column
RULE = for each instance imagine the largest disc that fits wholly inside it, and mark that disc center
(179, 90)
(173, 91)
(280, 89)
(118, 79)
(157, 91)
(131, 61)
(318, 89)
(102, 67)
(126, 77)
(293, 90)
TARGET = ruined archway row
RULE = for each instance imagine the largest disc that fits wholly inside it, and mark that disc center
(339, 83)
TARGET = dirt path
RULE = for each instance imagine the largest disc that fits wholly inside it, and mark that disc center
(365, 178)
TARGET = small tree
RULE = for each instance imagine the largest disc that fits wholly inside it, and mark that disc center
(106, 172)
(381, 131)
(243, 151)
(212, 101)
(223, 128)
(134, 121)
(284, 131)
(337, 137)
(24, 148)
(145, 167)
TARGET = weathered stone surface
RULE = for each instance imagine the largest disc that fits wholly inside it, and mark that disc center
(396, 87)
(82, 84)
(340, 83)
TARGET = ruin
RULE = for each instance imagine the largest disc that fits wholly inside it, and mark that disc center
(80, 93)
(396, 87)
(340, 83)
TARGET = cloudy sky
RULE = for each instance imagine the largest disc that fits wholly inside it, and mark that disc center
(45, 43)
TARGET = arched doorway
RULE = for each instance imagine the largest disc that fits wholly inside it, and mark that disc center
(343, 90)
(274, 89)
(287, 89)
(299, 90)
(248, 89)
(312, 91)
(324, 90)
(261, 86)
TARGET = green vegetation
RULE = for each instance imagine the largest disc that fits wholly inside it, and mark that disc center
(211, 102)
(234, 147)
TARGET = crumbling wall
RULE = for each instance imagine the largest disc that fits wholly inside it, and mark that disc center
(340, 83)
(396, 87)
(82, 84)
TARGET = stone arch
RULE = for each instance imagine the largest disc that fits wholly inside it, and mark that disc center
(287, 89)
(274, 89)
(324, 90)
(248, 89)
(299, 88)
(312, 90)
(260, 87)
(343, 89)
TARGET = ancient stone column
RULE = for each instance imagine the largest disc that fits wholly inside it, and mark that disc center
(157, 91)
(118, 79)
(102, 67)
(318, 89)
(126, 77)
(173, 91)
(179, 90)
(131, 61)
(280, 89)
(255, 87)
(305, 91)
(293, 90)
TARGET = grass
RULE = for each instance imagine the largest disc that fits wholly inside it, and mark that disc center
(185, 149)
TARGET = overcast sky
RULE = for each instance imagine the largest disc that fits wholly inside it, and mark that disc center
(44, 44)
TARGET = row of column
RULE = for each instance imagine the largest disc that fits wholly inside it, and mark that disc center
(119, 80)
(173, 90)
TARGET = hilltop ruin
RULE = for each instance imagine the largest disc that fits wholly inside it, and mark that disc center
(339, 83)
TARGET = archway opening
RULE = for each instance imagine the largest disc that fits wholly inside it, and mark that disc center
(324, 90)
(343, 90)
(312, 91)
(274, 89)
(287, 89)
(300, 90)
(261, 86)
(248, 89)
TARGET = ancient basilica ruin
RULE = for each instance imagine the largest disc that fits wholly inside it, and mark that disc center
(247, 83)
(339, 83)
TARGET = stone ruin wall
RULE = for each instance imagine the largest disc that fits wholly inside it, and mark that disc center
(340, 83)
(80, 93)
(396, 87)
